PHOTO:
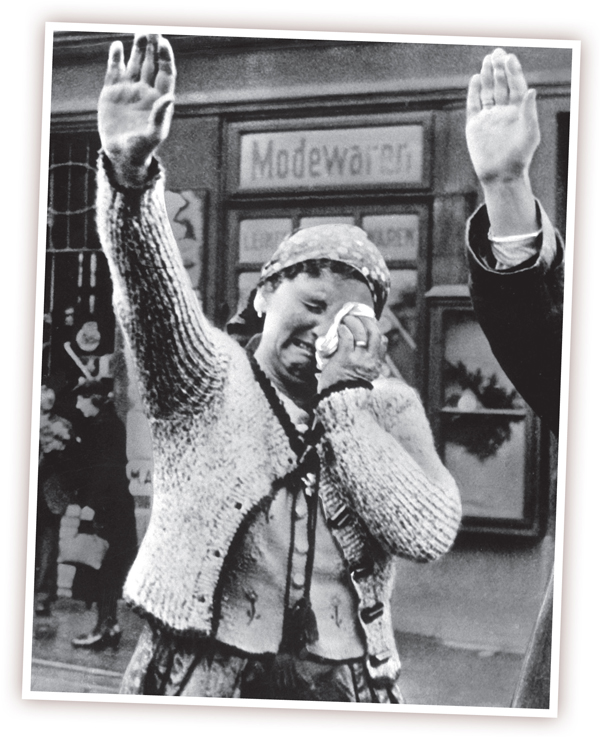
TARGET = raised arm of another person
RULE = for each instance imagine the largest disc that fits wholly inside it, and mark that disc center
(515, 255)
(176, 351)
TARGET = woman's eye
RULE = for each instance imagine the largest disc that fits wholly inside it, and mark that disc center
(317, 308)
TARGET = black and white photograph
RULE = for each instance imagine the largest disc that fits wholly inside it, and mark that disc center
(301, 362)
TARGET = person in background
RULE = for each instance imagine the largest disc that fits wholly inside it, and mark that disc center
(107, 509)
(516, 264)
(287, 478)
(54, 491)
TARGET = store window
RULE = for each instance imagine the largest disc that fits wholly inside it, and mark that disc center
(79, 325)
(399, 232)
(79, 322)
(487, 436)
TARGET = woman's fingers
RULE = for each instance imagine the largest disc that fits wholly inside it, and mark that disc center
(152, 63)
(374, 337)
(116, 66)
(367, 338)
(138, 52)
(160, 118)
(165, 77)
(345, 342)
(356, 359)
(358, 329)
(383, 346)
(148, 72)
(359, 354)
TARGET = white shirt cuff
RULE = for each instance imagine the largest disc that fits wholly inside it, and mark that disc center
(511, 255)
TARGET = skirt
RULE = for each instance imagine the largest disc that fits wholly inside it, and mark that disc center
(164, 664)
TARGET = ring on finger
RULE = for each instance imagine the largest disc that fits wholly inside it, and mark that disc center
(361, 344)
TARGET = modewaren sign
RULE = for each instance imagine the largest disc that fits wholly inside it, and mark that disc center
(332, 157)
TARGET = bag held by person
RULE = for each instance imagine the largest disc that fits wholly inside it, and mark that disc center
(83, 549)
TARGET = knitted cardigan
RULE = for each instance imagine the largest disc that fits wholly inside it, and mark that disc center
(219, 449)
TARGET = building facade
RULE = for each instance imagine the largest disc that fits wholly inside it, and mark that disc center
(274, 134)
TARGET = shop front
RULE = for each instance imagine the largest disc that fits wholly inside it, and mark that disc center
(271, 135)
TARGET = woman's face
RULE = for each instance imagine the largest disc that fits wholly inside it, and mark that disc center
(47, 398)
(298, 312)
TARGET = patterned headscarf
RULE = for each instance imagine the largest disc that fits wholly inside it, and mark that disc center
(336, 242)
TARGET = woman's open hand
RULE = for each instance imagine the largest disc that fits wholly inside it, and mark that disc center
(502, 126)
(359, 355)
(136, 105)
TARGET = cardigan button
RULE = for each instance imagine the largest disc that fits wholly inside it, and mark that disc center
(300, 511)
(361, 570)
(380, 658)
(301, 546)
(340, 518)
(370, 614)
(298, 580)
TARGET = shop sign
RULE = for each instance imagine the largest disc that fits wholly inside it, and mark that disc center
(335, 157)
(396, 236)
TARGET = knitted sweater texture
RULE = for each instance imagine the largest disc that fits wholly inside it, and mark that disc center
(219, 449)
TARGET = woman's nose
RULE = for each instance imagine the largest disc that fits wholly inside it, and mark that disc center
(322, 324)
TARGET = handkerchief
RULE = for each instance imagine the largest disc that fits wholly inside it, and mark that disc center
(327, 345)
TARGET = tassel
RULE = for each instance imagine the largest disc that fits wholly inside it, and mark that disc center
(299, 627)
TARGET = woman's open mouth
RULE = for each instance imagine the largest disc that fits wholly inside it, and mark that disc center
(304, 346)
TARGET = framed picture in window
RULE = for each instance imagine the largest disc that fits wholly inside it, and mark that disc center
(487, 436)
(186, 209)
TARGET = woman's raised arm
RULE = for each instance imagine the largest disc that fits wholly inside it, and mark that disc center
(177, 354)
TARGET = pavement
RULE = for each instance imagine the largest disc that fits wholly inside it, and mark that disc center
(433, 673)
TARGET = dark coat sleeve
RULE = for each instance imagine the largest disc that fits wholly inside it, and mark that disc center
(103, 482)
(521, 314)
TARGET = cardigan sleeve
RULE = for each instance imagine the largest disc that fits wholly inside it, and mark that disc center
(520, 311)
(382, 452)
(176, 352)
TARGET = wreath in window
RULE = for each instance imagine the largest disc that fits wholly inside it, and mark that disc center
(480, 434)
